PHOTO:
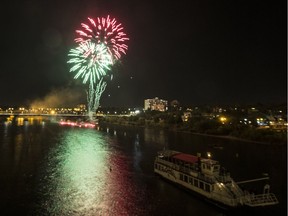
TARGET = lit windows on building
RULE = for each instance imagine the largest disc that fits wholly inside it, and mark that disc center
(156, 104)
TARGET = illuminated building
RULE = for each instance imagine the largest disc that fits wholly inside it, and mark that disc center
(156, 104)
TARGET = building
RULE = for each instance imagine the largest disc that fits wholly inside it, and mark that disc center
(156, 104)
(186, 116)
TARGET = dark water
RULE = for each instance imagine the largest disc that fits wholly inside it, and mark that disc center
(47, 169)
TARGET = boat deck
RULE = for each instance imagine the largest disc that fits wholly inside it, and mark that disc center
(262, 200)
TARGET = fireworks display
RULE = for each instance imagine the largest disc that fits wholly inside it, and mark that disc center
(106, 31)
(90, 61)
(99, 45)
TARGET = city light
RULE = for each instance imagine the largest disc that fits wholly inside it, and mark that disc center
(223, 119)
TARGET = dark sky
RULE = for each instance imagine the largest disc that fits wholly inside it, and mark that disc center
(197, 52)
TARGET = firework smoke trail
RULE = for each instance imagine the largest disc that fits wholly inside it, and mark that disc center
(93, 96)
(106, 31)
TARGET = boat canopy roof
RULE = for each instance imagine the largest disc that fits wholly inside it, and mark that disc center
(185, 157)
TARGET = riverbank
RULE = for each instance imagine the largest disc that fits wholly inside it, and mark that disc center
(231, 138)
(253, 135)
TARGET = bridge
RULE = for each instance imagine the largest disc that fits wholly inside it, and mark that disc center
(40, 114)
(59, 114)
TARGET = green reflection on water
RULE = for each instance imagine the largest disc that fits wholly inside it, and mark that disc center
(77, 173)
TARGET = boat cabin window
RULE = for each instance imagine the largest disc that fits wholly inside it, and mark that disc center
(207, 188)
(216, 168)
(195, 182)
(201, 184)
(206, 166)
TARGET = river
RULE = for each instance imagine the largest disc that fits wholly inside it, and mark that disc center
(48, 169)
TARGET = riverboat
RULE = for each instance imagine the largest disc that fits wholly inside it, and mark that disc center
(207, 178)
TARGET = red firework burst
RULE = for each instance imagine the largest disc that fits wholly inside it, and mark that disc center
(106, 31)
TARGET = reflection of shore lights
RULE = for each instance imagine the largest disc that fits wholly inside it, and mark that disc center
(20, 121)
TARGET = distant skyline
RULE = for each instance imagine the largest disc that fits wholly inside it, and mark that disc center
(196, 52)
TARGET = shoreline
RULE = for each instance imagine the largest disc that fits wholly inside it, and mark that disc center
(228, 137)
(233, 138)
(200, 134)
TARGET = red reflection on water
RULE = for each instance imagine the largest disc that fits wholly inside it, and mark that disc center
(123, 191)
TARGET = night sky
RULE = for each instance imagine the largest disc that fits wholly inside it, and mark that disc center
(196, 52)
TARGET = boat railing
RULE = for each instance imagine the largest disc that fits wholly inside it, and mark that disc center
(228, 200)
(168, 163)
(166, 153)
(235, 189)
(224, 178)
(247, 199)
(264, 199)
(188, 171)
(210, 179)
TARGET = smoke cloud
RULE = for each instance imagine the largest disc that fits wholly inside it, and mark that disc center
(57, 98)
